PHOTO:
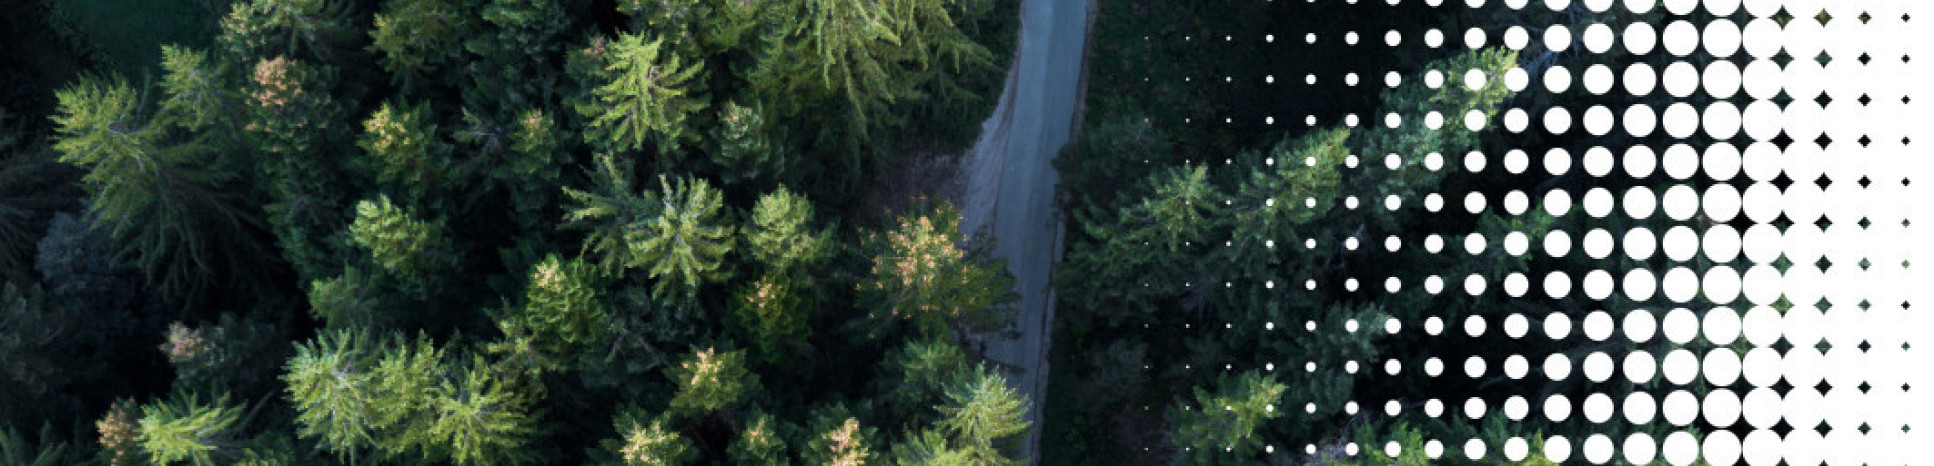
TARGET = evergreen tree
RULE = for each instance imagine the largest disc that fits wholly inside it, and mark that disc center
(710, 380)
(255, 29)
(16, 450)
(404, 154)
(562, 314)
(920, 274)
(346, 301)
(419, 36)
(1228, 420)
(645, 92)
(409, 248)
(684, 247)
(329, 384)
(31, 337)
(183, 429)
(980, 413)
(291, 119)
(837, 439)
(772, 315)
(612, 212)
(198, 94)
(648, 443)
(918, 376)
(482, 418)
(163, 199)
(759, 443)
(33, 186)
(746, 149)
(781, 234)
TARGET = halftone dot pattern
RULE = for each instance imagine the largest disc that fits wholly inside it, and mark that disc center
(1763, 246)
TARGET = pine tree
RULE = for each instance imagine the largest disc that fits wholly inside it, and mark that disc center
(562, 314)
(292, 121)
(1227, 420)
(837, 439)
(31, 337)
(346, 301)
(612, 212)
(183, 429)
(49, 451)
(255, 29)
(649, 443)
(921, 274)
(407, 247)
(981, 412)
(918, 375)
(781, 234)
(746, 149)
(197, 88)
(771, 313)
(759, 443)
(33, 186)
(684, 247)
(841, 51)
(331, 389)
(646, 92)
(404, 154)
(177, 215)
(482, 418)
(419, 36)
(710, 380)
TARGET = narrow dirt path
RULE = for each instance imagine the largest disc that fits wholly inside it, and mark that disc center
(1011, 183)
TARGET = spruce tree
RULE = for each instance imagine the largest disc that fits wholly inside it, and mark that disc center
(482, 417)
(647, 442)
(183, 429)
(647, 93)
(921, 274)
(981, 413)
(612, 212)
(709, 380)
(410, 248)
(1228, 420)
(760, 443)
(685, 246)
(419, 36)
(402, 151)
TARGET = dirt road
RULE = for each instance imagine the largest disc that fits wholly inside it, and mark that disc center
(1011, 181)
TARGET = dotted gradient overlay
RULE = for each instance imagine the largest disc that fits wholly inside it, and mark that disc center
(1776, 315)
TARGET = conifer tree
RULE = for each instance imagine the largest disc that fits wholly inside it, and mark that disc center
(292, 120)
(407, 247)
(771, 312)
(418, 36)
(759, 443)
(981, 412)
(1227, 420)
(646, 93)
(837, 439)
(613, 212)
(746, 149)
(482, 417)
(563, 313)
(183, 429)
(403, 152)
(329, 384)
(782, 235)
(685, 246)
(33, 186)
(255, 29)
(176, 214)
(922, 275)
(646, 442)
(709, 380)
(198, 94)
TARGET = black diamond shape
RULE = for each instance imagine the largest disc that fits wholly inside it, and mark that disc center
(1823, 428)
(1823, 305)
(1864, 142)
(1864, 100)
(1823, 387)
(1864, 346)
(1823, 141)
(1823, 99)
(1864, 182)
(1864, 223)
(1783, 140)
(1864, 428)
(1782, 182)
(1864, 17)
(1823, 58)
(1865, 59)
(1823, 264)
(1823, 182)
(1823, 17)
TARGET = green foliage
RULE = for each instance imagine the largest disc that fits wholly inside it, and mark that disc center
(1229, 418)
(16, 450)
(710, 380)
(642, 95)
(685, 245)
(399, 242)
(33, 185)
(771, 313)
(175, 213)
(781, 234)
(922, 275)
(196, 88)
(346, 301)
(185, 430)
(404, 153)
(263, 28)
(331, 389)
(676, 235)
(31, 337)
(612, 213)
(1094, 165)
(482, 418)
(981, 412)
(837, 438)
(919, 374)
(417, 36)
(649, 443)
(563, 313)
(759, 443)
(291, 121)
(232, 354)
(531, 168)
(745, 150)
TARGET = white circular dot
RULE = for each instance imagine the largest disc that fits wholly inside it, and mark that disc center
(1557, 38)
(1640, 38)
(1598, 38)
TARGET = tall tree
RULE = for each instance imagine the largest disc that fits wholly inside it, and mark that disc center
(409, 248)
(255, 29)
(419, 36)
(837, 439)
(982, 412)
(645, 92)
(759, 443)
(185, 429)
(292, 120)
(921, 274)
(612, 212)
(1229, 418)
(403, 152)
(685, 246)
(328, 383)
(709, 380)
(781, 234)
(179, 218)
(483, 417)
(562, 314)
(645, 442)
